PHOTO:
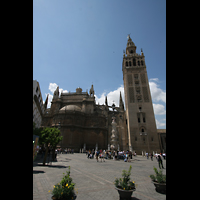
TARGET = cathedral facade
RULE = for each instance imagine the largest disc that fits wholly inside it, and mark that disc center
(86, 125)
(83, 123)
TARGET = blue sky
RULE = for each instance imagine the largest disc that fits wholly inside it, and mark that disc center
(80, 42)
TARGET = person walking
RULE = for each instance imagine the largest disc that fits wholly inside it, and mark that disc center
(114, 155)
(106, 154)
(164, 155)
(151, 156)
(129, 156)
(97, 155)
(160, 163)
(93, 152)
(102, 155)
(88, 154)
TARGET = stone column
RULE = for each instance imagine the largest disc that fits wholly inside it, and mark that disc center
(114, 135)
(84, 147)
(96, 147)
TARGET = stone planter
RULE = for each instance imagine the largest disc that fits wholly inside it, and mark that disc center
(124, 194)
(160, 187)
(74, 197)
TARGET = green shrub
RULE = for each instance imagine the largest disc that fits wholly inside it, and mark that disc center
(159, 177)
(64, 189)
(125, 183)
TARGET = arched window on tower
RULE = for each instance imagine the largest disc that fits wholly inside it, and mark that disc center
(138, 63)
(143, 131)
(131, 51)
(129, 63)
(126, 63)
(142, 62)
(134, 62)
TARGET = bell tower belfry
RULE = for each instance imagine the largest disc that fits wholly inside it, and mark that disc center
(141, 125)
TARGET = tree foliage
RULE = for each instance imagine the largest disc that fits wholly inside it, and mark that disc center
(50, 136)
(36, 131)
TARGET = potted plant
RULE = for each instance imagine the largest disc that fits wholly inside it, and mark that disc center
(159, 181)
(65, 189)
(124, 186)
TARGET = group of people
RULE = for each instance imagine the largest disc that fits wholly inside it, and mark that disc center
(155, 155)
(98, 154)
(116, 155)
(67, 150)
(158, 158)
(125, 155)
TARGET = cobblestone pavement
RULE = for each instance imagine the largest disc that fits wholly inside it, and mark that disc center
(94, 180)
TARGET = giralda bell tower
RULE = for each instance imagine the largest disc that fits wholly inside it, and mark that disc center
(141, 125)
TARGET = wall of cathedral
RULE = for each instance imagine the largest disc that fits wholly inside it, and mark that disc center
(78, 128)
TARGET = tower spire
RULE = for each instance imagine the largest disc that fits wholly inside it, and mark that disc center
(46, 102)
(56, 93)
(130, 46)
(121, 104)
(142, 52)
(106, 101)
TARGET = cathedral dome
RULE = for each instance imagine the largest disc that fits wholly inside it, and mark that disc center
(71, 108)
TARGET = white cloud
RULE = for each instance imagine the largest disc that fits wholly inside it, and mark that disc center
(111, 96)
(62, 91)
(157, 93)
(159, 109)
(49, 100)
(52, 88)
(100, 100)
(160, 124)
(154, 79)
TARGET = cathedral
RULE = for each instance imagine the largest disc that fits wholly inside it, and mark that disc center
(86, 125)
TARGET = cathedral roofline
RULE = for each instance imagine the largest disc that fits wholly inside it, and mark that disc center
(74, 93)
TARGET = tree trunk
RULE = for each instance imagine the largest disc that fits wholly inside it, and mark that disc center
(45, 156)
(53, 153)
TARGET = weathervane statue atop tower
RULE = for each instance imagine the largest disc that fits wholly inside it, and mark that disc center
(92, 91)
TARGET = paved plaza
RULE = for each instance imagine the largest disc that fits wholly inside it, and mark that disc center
(94, 180)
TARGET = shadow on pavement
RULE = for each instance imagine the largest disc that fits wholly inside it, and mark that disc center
(66, 160)
(138, 160)
(53, 166)
(134, 198)
(37, 171)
